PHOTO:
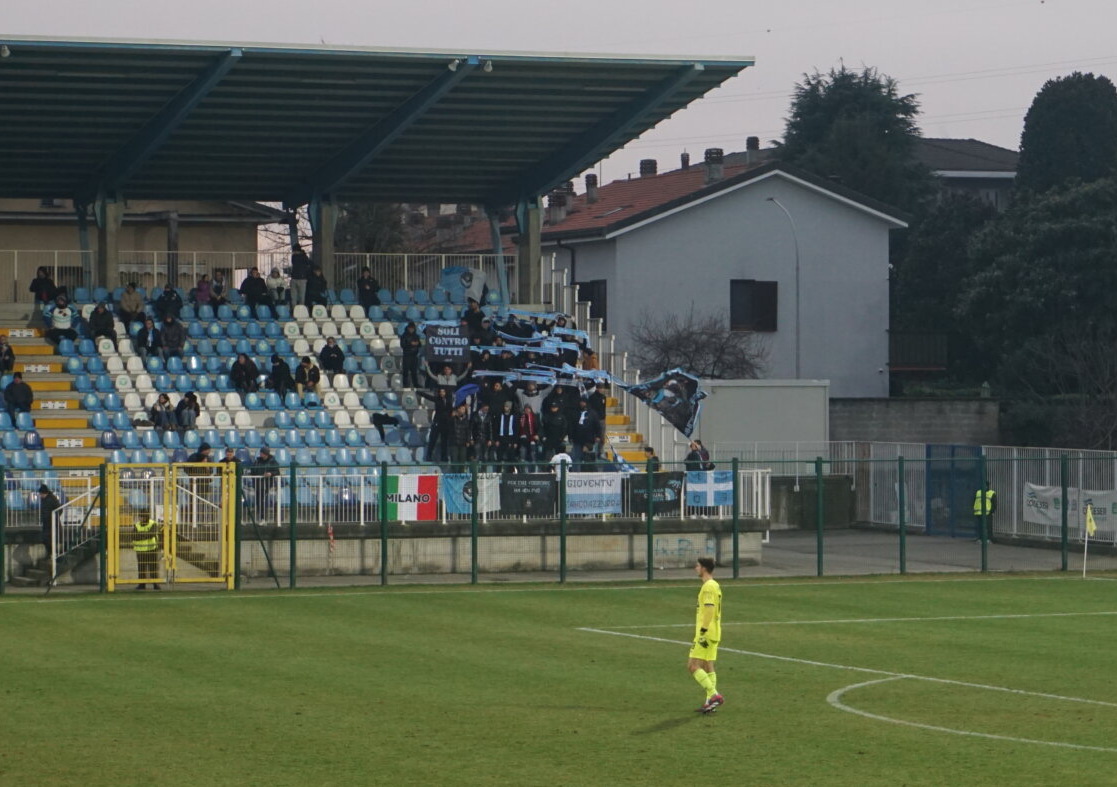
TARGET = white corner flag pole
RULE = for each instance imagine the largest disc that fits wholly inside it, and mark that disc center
(1085, 549)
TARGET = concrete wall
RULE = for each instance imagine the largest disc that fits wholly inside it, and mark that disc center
(957, 421)
(739, 411)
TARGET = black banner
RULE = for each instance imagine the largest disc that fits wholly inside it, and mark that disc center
(667, 490)
(530, 494)
(447, 343)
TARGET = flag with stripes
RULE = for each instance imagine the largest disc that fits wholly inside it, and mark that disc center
(412, 498)
(709, 488)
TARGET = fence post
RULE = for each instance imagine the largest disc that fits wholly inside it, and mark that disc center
(562, 520)
(237, 480)
(383, 510)
(3, 532)
(473, 524)
(736, 519)
(1064, 537)
(103, 546)
(292, 522)
(903, 519)
(982, 520)
(820, 514)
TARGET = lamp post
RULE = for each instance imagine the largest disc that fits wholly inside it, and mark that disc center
(795, 239)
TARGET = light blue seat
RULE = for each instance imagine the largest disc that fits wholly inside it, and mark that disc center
(450, 312)
(215, 331)
(253, 330)
(253, 439)
(384, 454)
(66, 347)
(370, 401)
(154, 364)
(412, 438)
(421, 297)
(402, 296)
(203, 383)
(273, 331)
(6, 424)
(440, 296)
(213, 437)
(243, 456)
(205, 312)
(121, 421)
(99, 421)
(81, 295)
(272, 401)
(431, 312)
(233, 438)
(151, 439)
(225, 348)
(109, 440)
(184, 383)
(312, 438)
(283, 312)
(175, 365)
(334, 438)
(32, 441)
(324, 457)
(403, 456)
(179, 455)
(323, 420)
(222, 383)
(392, 436)
(293, 438)
(225, 312)
(234, 296)
(389, 400)
(139, 457)
(283, 348)
(112, 402)
(292, 401)
(303, 419)
(347, 297)
(192, 440)
(163, 383)
(252, 401)
(274, 438)
(195, 364)
(87, 348)
(195, 330)
(74, 365)
(364, 457)
(82, 383)
(263, 313)
(376, 313)
(119, 457)
(171, 440)
(130, 440)
(95, 366)
(413, 314)
(104, 383)
(160, 456)
(204, 348)
(20, 460)
(350, 365)
(102, 294)
(243, 346)
(90, 401)
(283, 458)
(244, 312)
(369, 365)
(384, 295)
(372, 438)
(304, 456)
(353, 438)
(262, 347)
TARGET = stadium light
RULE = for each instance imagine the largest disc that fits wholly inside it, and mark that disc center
(795, 239)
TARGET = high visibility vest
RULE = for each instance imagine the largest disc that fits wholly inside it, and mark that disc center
(987, 498)
(146, 539)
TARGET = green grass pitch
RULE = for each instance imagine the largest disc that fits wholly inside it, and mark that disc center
(996, 680)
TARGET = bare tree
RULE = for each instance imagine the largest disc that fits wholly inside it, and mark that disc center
(701, 344)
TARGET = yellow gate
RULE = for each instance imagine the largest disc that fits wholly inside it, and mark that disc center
(194, 512)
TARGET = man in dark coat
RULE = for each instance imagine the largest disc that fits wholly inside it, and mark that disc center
(331, 358)
(18, 396)
(169, 303)
(48, 504)
(280, 378)
(101, 323)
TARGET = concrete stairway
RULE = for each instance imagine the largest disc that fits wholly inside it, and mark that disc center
(621, 435)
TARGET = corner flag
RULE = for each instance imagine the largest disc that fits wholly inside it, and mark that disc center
(1091, 525)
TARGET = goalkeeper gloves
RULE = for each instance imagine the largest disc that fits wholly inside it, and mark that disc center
(702, 643)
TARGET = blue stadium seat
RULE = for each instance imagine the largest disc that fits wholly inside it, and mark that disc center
(204, 348)
(215, 331)
(90, 401)
(376, 313)
(440, 296)
(225, 313)
(119, 457)
(205, 313)
(87, 348)
(303, 419)
(243, 456)
(384, 454)
(130, 440)
(184, 383)
(353, 438)
(187, 314)
(221, 383)
(283, 420)
(451, 312)
(192, 440)
(392, 436)
(234, 330)
(304, 457)
(94, 365)
(6, 424)
(364, 457)
(312, 438)
(293, 438)
(100, 421)
(283, 459)
(82, 383)
(195, 330)
(151, 439)
(195, 364)
(403, 456)
(385, 296)
(121, 421)
(179, 455)
(292, 401)
(112, 402)
(32, 441)
(344, 458)
(175, 365)
(420, 297)
(283, 312)
(252, 401)
(334, 438)
(66, 347)
(103, 383)
(283, 348)
(244, 312)
(431, 312)
(389, 400)
(171, 440)
(81, 295)
(163, 383)
(272, 401)
(253, 330)
(347, 297)
(253, 439)
(323, 420)
(233, 438)
(263, 313)
(20, 460)
(273, 331)
(215, 439)
(263, 347)
(203, 383)
(74, 365)
(234, 296)
(243, 346)
(372, 438)
(109, 440)
(324, 457)
(274, 438)
(224, 348)
(154, 364)
(160, 456)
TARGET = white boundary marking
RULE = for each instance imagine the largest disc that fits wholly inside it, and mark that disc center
(878, 620)
(890, 676)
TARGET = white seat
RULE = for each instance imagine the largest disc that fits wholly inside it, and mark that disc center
(105, 346)
(340, 382)
(120, 329)
(143, 383)
(123, 382)
(342, 419)
(242, 420)
(212, 401)
(135, 365)
(150, 399)
(133, 402)
(203, 421)
(378, 346)
(421, 419)
(331, 401)
(300, 313)
(87, 310)
(329, 328)
(361, 419)
(386, 330)
(222, 420)
(114, 365)
(395, 380)
(395, 348)
(337, 312)
(348, 330)
(356, 312)
(125, 347)
(324, 383)
(232, 401)
(174, 397)
(367, 329)
(318, 344)
(359, 383)
(300, 347)
(310, 330)
(291, 329)
(318, 312)
(351, 401)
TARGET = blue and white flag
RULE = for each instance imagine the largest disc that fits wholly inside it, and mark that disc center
(593, 493)
(675, 395)
(463, 283)
(458, 492)
(709, 488)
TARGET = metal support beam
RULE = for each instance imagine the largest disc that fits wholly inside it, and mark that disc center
(110, 215)
(126, 161)
(529, 224)
(373, 140)
(592, 145)
(323, 225)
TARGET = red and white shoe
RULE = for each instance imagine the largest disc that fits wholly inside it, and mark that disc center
(713, 704)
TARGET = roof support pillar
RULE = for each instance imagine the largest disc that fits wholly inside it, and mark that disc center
(323, 225)
(87, 264)
(529, 224)
(109, 212)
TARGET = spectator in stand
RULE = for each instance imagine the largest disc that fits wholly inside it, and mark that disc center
(554, 430)
(101, 323)
(218, 289)
(131, 306)
(43, 287)
(168, 304)
(532, 396)
(589, 359)
(698, 458)
(300, 270)
(498, 395)
(461, 436)
(162, 414)
(585, 434)
(487, 334)
(243, 374)
(441, 423)
(203, 291)
(265, 472)
(379, 420)
(18, 396)
(368, 290)
(280, 379)
(201, 455)
(149, 341)
(174, 337)
(48, 504)
(482, 424)
(506, 437)
(254, 290)
(230, 457)
(7, 356)
(446, 378)
(483, 361)
(531, 437)
(473, 317)
(331, 358)
(61, 321)
(277, 286)
(186, 413)
(597, 401)
(506, 362)
(307, 377)
(410, 343)
(317, 290)
(651, 461)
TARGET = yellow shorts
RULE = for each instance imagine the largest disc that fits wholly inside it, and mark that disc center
(708, 653)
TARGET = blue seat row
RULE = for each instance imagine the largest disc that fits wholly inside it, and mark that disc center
(343, 457)
(253, 439)
(18, 458)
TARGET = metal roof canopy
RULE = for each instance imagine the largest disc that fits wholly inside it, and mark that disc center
(167, 120)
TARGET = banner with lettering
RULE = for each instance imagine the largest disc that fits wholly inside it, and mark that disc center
(667, 492)
(528, 494)
(446, 343)
(593, 493)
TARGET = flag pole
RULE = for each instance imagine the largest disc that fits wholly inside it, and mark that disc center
(1091, 528)
(1085, 549)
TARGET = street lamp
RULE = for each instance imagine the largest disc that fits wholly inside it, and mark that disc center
(795, 239)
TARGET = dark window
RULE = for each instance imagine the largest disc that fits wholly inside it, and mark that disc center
(594, 292)
(752, 305)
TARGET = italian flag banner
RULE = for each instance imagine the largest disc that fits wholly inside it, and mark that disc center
(413, 498)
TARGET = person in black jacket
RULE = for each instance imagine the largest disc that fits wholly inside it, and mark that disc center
(7, 356)
(482, 424)
(169, 303)
(441, 423)
(18, 396)
(555, 427)
(243, 374)
(300, 269)
(149, 341)
(316, 288)
(585, 435)
(331, 358)
(461, 437)
(410, 343)
(254, 290)
(48, 504)
(43, 287)
(101, 323)
(506, 441)
(368, 290)
(264, 472)
(307, 377)
(280, 378)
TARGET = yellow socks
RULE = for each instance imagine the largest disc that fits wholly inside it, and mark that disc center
(706, 681)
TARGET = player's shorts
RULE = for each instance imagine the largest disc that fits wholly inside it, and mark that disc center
(708, 653)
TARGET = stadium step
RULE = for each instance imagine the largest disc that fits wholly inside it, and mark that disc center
(78, 460)
(617, 419)
(78, 421)
(68, 440)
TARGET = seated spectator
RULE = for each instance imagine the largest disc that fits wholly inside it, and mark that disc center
(307, 377)
(7, 356)
(131, 306)
(331, 358)
(162, 414)
(203, 290)
(589, 359)
(186, 413)
(43, 287)
(174, 337)
(202, 454)
(317, 291)
(368, 290)
(61, 321)
(168, 304)
(149, 341)
(101, 323)
(243, 374)
(280, 379)
(218, 296)
(254, 290)
(277, 286)
(18, 396)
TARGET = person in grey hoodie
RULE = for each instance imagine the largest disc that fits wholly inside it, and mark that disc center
(532, 395)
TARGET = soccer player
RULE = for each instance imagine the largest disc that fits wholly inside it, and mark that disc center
(707, 634)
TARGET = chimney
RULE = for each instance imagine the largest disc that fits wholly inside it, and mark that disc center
(648, 167)
(715, 164)
(752, 150)
(684, 160)
(591, 188)
(556, 206)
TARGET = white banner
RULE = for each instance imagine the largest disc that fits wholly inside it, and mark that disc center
(1043, 505)
(593, 493)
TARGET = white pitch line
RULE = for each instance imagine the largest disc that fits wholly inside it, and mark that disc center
(835, 700)
(877, 620)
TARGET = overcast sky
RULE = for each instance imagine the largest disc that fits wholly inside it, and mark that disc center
(975, 64)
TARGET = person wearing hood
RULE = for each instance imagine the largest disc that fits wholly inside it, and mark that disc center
(280, 379)
(48, 504)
